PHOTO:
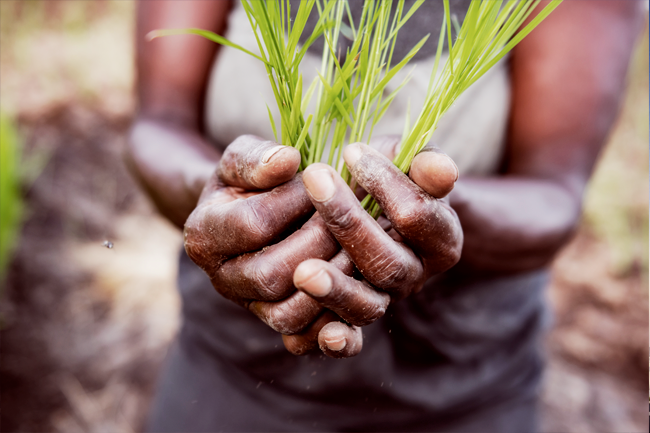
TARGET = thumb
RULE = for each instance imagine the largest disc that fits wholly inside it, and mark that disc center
(434, 171)
(251, 162)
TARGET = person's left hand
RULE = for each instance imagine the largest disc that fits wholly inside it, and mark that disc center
(421, 237)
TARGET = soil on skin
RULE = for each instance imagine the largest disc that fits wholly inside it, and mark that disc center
(85, 328)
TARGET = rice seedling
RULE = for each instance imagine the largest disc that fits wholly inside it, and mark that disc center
(349, 96)
(490, 30)
(352, 95)
(277, 37)
(350, 99)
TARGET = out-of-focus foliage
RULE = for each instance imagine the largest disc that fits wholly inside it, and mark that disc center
(57, 51)
(616, 205)
(11, 203)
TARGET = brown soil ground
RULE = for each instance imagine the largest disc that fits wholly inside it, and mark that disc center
(85, 327)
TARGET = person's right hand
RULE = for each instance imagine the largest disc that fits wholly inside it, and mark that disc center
(252, 228)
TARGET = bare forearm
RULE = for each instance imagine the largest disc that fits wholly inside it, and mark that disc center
(173, 72)
(167, 152)
(513, 224)
(567, 82)
(172, 163)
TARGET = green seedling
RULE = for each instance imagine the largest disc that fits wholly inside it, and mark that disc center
(350, 98)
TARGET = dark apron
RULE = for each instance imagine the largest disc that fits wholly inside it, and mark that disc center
(462, 355)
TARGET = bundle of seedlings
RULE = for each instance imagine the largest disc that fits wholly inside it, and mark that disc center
(350, 98)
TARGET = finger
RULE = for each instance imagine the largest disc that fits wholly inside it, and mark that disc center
(388, 228)
(434, 171)
(307, 340)
(267, 275)
(355, 301)
(343, 263)
(385, 263)
(251, 162)
(388, 146)
(288, 316)
(216, 231)
(429, 226)
(338, 340)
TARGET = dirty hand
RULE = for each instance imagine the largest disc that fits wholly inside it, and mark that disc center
(251, 229)
(420, 237)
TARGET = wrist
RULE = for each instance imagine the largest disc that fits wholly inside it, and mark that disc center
(172, 162)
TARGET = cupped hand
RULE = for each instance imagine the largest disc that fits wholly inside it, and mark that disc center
(251, 229)
(420, 237)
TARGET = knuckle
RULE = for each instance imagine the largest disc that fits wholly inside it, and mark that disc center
(374, 310)
(236, 160)
(454, 251)
(197, 246)
(277, 319)
(345, 218)
(445, 246)
(268, 281)
(391, 274)
(195, 249)
(359, 303)
(409, 213)
(256, 229)
(283, 320)
(369, 314)
(447, 256)
(252, 220)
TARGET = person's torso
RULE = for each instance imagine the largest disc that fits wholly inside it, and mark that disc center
(472, 132)
(460, 339)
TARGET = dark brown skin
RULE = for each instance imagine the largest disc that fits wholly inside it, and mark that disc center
(168, 153)
(230, 231)
(567, 80)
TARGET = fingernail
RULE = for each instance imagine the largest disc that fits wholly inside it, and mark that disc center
(319, 285)
(336, 344)
(270, 153)
(352, 153)
(319, 184)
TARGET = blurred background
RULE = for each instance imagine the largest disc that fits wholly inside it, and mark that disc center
(84, 327)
